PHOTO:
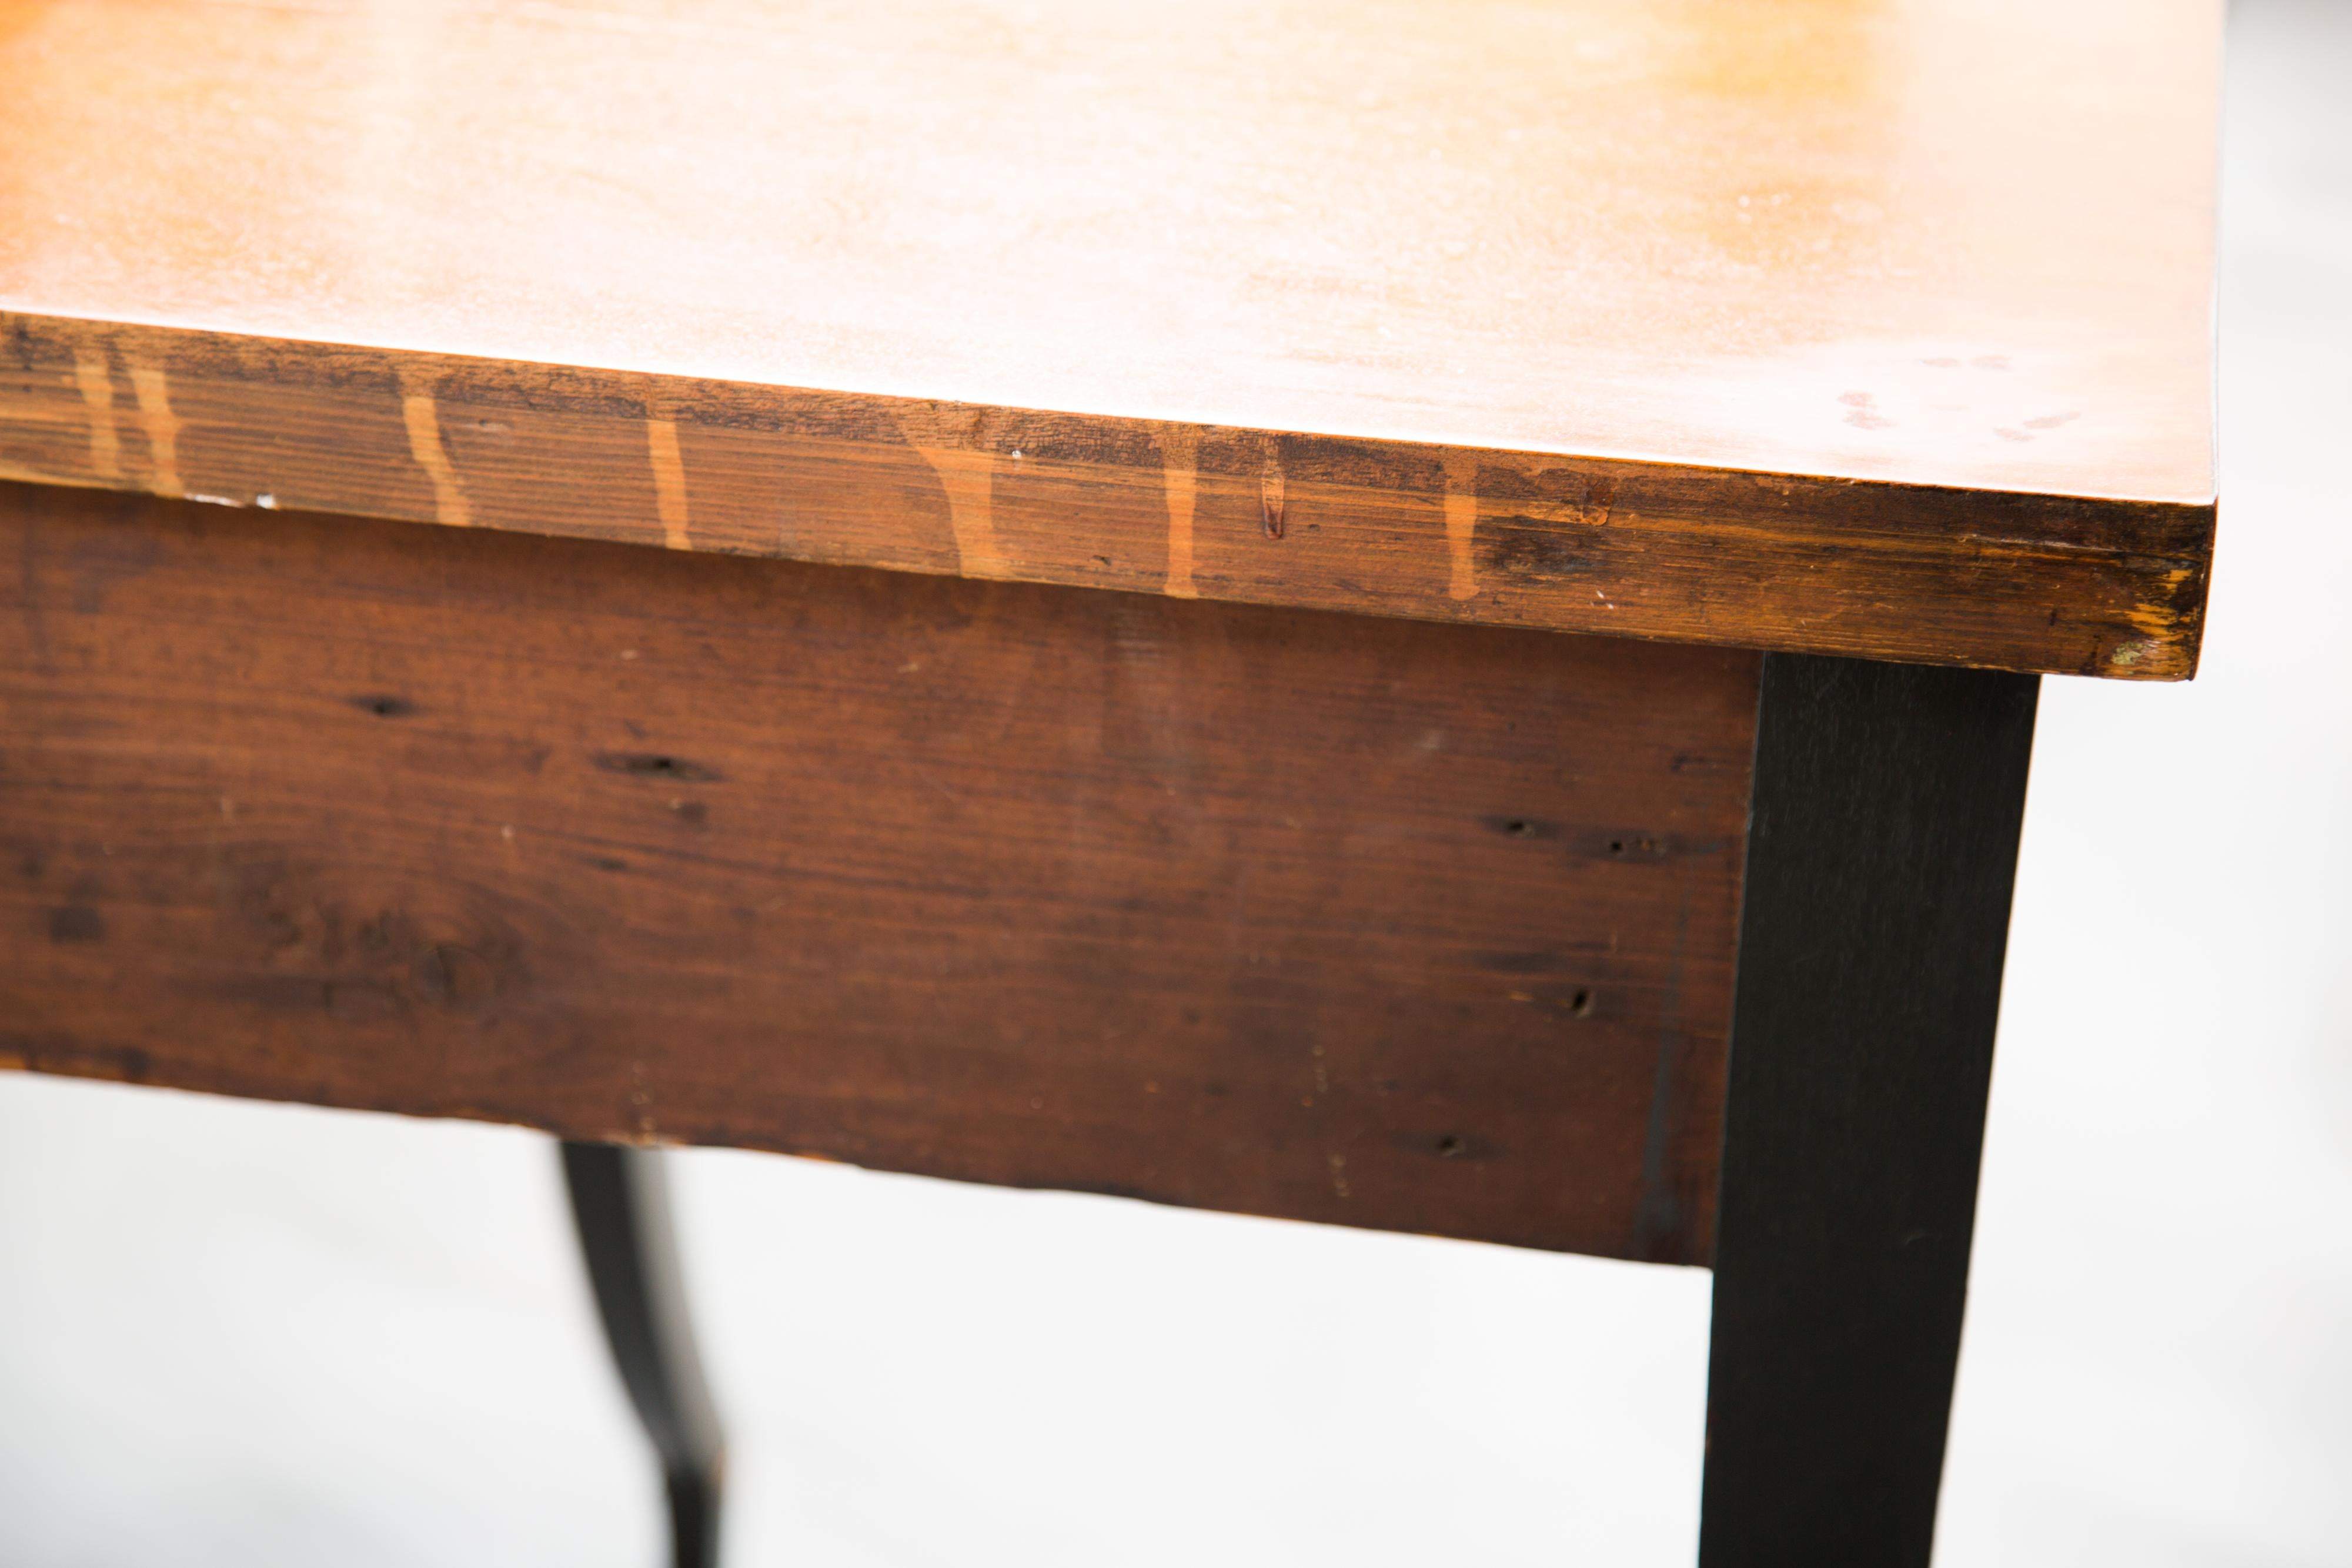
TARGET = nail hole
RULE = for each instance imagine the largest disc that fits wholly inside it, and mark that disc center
(1449, 1146)
(1616, 846)
(651, 765)
(384, 706)
(1581, 1003)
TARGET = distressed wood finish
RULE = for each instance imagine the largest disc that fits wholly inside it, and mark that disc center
(1651, 550)
(1579, 316)
(1361, 921)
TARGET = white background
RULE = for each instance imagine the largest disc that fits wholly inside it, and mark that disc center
(260, 1335)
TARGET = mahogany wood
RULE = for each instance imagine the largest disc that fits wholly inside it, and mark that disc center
(1928, 575)
(1579, 316)
(1368, 922)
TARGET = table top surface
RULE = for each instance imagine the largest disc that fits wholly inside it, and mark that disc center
(1942, 241)
(1874, 328)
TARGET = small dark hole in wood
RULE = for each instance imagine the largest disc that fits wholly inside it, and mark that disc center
(385, 706)
(1616, 846)
(1449, 1146)
(649, 765)
(1518, 827)
(77, 923)
(1580, 1004)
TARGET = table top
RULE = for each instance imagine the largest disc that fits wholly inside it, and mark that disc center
(1957, 249)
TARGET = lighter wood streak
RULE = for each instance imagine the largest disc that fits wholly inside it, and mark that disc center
(1462, 525)
(163, 428)
(424, 445)
(97, 386)
(970, 480)
(669, 481)
(1179, 446)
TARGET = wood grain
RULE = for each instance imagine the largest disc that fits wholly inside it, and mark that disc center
(1345, 919)
(1960, 243)
(1650, 550)
(1545, 303)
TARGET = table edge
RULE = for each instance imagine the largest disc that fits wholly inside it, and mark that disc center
(1781, 562)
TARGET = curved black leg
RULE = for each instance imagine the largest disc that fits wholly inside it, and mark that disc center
(621, 1205)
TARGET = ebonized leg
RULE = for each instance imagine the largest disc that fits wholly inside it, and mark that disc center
(621, 1205)
(1882, 849)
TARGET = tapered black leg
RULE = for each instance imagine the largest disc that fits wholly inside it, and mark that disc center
(621, 1205)
(1882, 850)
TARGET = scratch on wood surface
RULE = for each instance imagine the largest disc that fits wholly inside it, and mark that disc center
(1462, 524)
(97, 386)
(163, 428)
(1179, 446)
(1269, 494)
(424, 445)
(669, 481)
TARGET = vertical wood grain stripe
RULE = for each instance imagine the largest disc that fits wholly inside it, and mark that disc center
(163, 428)
(1179, 449)
(97, 386)
(424, 445)
(1462, 525)
(970, 480)
(669, 481)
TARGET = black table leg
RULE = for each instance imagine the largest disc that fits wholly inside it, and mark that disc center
(1883, 846)
(621, 1205)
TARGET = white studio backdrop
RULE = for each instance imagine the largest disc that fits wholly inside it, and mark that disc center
(260, 1335)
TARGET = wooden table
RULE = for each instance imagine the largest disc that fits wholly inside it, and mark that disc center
(1306, 610)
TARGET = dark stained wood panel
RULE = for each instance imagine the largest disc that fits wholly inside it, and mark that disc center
(1886, 570)
(1352, 920)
